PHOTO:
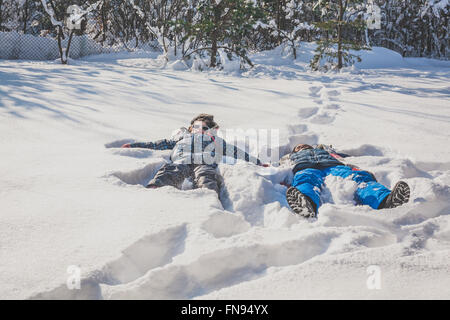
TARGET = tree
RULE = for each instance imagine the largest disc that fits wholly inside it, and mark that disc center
(291, 25)
(222, 24)
(342, 27)
(435, 18)
(66, 27)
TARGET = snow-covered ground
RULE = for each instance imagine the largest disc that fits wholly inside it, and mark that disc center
(70, 197)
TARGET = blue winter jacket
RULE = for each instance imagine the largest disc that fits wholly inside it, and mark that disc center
(313, 158)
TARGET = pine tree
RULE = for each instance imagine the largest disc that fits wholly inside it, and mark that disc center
(222, 24)
(342, 26)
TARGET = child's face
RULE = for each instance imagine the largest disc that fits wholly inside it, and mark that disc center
(199, 127)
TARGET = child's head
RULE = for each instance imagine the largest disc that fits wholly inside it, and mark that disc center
(301, 147)
(203, 122)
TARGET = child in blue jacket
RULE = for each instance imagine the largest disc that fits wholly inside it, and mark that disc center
(313, 165)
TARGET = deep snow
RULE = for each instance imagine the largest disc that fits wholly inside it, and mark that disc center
(70, 196)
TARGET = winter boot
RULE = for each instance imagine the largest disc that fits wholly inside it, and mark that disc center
(300, 203)
(398, 196)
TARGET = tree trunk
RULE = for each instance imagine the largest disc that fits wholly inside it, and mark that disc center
(1, 13)
(25, 16)
(175, 45)
(339, 39)
(104, 23)
(294, 49)
(61, 53)
(64, 54)
(213, 50)
(214, 36)
(278, 18)
(68, 44)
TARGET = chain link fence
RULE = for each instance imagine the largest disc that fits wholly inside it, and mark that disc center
(16, 45)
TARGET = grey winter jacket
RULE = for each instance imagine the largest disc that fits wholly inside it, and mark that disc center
(196, 148)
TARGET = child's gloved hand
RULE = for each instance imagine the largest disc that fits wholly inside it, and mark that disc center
(126, 145)
(265, 165)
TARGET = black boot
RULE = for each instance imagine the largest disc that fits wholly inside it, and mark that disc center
(300, 203)
(398, 196)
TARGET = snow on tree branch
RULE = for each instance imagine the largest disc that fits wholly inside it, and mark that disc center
(51, 14)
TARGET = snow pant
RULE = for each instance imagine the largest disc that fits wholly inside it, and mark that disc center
(310, 181)
(173, 174)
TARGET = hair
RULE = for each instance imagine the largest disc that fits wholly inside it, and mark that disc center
(207, 118)
(303, 145)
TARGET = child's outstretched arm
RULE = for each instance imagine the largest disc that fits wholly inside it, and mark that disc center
(236, 153)
(164, 144)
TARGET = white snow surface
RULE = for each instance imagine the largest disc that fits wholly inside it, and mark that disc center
(71, 197)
